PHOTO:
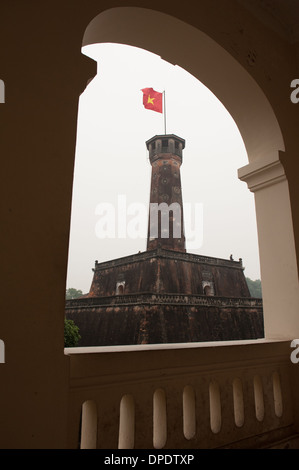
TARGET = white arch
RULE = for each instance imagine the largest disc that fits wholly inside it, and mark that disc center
(180, 43)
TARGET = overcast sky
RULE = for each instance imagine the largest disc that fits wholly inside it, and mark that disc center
(112, 163)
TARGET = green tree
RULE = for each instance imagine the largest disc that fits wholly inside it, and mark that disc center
(72, 293)
(71, 334)
(255, 287)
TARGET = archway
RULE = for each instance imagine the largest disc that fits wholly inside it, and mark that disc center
(257, 123)
(179, 43)
(120, 287)
(207, 290)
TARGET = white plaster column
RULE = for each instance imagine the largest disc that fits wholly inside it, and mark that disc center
(266, 179)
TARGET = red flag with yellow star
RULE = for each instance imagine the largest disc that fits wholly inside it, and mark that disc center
(152, 99)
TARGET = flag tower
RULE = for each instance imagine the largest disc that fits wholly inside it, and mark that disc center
(166, 221)
(165, 294)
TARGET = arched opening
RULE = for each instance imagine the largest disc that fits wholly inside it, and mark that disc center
(238, 402)
(245, 101)
(189, 412)
(206, 60)
(215, 407)
(126, 423)
(89, 425)
(277, 394)
(159, 419)
(207, 290)
(258, 398)
(120, 289)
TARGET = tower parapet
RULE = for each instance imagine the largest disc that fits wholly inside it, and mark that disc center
(161, 144)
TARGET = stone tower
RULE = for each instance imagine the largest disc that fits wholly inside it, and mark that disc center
(165, 294)
(166, 221)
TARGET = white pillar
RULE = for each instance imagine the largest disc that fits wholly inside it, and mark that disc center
(266, 179)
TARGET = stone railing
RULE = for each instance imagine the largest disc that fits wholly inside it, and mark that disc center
(177, 299)
(190, 396)
(162, 253)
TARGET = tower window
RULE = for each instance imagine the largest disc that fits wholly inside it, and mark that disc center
(208, 288)
(164, 143)
(120, 288)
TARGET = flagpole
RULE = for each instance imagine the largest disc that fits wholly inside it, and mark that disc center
(164, 112)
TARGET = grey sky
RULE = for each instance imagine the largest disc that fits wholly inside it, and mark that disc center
(112, 160)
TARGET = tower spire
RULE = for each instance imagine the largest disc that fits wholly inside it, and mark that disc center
(166, 221)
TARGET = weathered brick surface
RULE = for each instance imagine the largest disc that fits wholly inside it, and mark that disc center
(167, 271)
(160, 323)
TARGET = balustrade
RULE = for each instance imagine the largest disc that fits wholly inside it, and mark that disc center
(181, 396)
(152, 298)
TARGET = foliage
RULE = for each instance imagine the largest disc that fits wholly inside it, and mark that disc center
(72, 293)
(71, 334)
(255, 287)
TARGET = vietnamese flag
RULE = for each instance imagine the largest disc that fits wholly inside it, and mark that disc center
(152, 99)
